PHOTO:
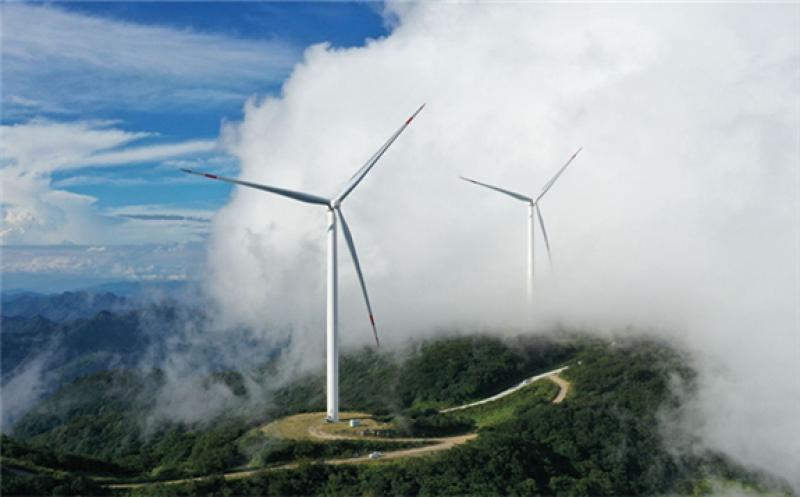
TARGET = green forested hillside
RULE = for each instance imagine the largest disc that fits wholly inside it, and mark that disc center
(28, 470)
(603, 440)
(448, 371)
(103, 415)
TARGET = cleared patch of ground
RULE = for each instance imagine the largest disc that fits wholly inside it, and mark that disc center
(308, 426)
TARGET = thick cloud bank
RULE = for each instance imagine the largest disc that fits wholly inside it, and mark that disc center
(679, 217)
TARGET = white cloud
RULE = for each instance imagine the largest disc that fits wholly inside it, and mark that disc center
(143, 223)
(679, 217)
(36, 211)
(150, 153)
(113, 64)
(44, 146)
(81, 180)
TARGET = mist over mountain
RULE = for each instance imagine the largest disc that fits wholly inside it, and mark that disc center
(159, 389)
(603, 439)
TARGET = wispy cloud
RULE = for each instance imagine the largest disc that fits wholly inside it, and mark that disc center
(147, 223)
(99, 62)
(36, 211)
(149, 153)
(87, 180)
(166, 217)
(43, 146)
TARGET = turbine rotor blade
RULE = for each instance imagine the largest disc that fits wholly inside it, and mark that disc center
(352, 247)
(302, 197)
(516, 195)
(552, 181)
(544, 234)
(362, 172)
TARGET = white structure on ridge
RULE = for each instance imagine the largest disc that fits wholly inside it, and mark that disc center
(335, 218)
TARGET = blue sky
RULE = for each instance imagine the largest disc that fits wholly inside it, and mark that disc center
(103, 101)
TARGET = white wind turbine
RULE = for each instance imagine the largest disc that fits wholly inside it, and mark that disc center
(533, 206)
(334, 211)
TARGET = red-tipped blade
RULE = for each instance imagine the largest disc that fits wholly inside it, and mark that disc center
(415, 114)
(348, 237)
(302, 197)
(374, 330)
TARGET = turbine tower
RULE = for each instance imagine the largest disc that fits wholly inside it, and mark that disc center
(335, 218)
(533, 211)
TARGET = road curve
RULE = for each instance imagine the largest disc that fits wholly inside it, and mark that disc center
(524, 383)
(563, 385)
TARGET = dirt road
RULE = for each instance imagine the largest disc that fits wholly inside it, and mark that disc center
(563, 385)
(441, 444)
(524, 383)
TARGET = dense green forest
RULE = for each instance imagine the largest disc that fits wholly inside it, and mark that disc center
(603, 440)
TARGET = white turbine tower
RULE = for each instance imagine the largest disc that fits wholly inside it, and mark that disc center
(334, 211)
(533, 209)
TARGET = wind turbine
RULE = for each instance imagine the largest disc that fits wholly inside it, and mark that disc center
(334, 211)
(533, 208)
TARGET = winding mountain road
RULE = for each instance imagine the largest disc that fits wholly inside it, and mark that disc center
(440, 443)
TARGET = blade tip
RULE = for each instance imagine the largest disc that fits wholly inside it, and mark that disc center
(408, 121)
(374, 330)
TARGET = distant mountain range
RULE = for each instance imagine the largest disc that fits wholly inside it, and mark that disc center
(76, 347)
(62, 307)
(49, 340)
(88, 301)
